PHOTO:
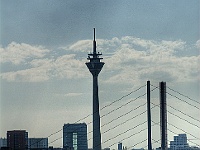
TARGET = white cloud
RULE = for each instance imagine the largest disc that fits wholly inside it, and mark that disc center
(73, 94)
(68, 67)
(80, 46)
(38, 66)
(198, 44)
(27, 75)
(153, 60)
(18, 53)
(131, 60)
(44, 69)
(41, 62)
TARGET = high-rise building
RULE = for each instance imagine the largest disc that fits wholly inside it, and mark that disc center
(17, 139)
(179, 143)
(38, 143)
(75, 136)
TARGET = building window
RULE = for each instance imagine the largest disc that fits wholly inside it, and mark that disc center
(75, 141)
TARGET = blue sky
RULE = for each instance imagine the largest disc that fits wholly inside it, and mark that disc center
(44, 46)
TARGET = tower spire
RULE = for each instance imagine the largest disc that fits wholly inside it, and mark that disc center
(94, 44)
(94, 34)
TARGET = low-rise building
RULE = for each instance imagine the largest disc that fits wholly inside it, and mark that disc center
(179, 143)
(3, 142)
(38, 143)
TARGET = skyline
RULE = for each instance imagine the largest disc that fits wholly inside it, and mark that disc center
(44, 47)
(178, 140)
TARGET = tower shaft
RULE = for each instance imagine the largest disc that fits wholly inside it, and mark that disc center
(96, 116)
(149, 115)
(163, 116)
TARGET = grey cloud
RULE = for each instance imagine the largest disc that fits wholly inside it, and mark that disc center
(158, 76)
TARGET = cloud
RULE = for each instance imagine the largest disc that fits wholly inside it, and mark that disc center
(68, 66)
(27, 75)
(41, 70)
(73, 94)
(152, 60)
(103, 45)
(80, 46)
(19, 53)
(127, 60)
(35, 64)
(198, 44)
(158, 75)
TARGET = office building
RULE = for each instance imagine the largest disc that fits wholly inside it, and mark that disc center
(38, 143)
(75, 136)
(120, 146)
(3, 142)
(17, 139)
(179, 143)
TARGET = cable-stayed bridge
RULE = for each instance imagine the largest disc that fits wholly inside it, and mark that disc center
(125, 119)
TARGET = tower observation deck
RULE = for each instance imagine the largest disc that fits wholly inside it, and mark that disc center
(95, 65)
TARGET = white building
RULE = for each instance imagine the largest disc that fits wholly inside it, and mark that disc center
(179, 143)
(41, 143)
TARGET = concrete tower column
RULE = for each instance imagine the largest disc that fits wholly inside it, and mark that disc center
(163, 116)
(149, 115)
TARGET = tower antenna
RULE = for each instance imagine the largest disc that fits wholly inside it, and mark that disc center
(94, 34)
(94, 45)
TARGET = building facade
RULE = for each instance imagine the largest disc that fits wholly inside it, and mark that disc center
(75, 136)
(120, 146)
(3, 142)
(179, 143)
(17, 139)
(38, 143)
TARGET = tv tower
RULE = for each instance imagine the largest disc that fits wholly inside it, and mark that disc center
(95, 66)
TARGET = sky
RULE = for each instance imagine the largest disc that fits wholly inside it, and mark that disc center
(45, 82)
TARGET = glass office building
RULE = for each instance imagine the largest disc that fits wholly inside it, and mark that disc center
(75, 136)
